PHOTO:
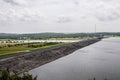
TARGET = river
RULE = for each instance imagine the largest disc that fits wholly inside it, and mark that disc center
(100, 60)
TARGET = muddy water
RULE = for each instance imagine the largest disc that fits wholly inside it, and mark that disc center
(100, 60)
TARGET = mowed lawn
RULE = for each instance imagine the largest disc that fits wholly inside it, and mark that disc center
(12, 50)
(21, 48)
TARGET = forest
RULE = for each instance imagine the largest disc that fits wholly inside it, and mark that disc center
(44, 36)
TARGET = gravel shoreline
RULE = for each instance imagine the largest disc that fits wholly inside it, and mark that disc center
(26, 61)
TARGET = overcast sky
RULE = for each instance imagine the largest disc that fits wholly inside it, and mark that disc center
(28, 16)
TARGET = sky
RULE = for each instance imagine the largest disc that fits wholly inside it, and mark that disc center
(67, 16)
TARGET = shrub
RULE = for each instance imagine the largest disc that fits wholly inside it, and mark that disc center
(5, 74)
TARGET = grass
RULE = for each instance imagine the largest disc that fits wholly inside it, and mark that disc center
(13, 50)
(22, 48)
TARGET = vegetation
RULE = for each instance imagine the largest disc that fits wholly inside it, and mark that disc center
(96, 79)
(13, 48)
(54, 35)
(5, 74)
(44, 36)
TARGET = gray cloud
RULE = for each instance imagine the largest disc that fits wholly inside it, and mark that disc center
(103, 10)
(76, 2)
(109, 17)
(11, 2)
(16, 2)
(48, 12)
(63, 19)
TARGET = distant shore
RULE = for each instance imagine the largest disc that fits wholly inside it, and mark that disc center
(35, 58)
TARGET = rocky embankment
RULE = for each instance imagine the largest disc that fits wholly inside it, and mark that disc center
(35, 58)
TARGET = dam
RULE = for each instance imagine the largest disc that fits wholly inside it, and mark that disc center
(99, 60)
(28, 60)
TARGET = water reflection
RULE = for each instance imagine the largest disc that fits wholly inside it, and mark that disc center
(100, 60)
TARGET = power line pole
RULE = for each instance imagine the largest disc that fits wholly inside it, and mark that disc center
(95, 28)
(95, 31)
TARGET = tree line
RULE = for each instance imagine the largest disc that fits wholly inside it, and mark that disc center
(53, 35)
(29, 45)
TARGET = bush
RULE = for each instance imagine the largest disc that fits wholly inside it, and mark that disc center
(5, 74)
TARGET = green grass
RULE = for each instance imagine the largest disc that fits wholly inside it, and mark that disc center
(15, 50)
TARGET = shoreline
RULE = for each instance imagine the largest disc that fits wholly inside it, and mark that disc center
(26, 61)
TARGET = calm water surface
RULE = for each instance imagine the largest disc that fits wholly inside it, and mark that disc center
(100, 60)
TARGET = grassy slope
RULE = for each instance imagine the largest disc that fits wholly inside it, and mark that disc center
(15, 50)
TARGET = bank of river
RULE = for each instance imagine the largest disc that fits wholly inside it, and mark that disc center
(100, 60)
(36, 58)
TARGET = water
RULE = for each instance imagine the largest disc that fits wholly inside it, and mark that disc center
(100, 60)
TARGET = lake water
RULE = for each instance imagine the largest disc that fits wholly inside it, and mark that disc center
(100, 60)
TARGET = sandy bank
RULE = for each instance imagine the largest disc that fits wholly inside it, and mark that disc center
(35, 58)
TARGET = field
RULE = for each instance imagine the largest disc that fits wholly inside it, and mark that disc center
(14, 48)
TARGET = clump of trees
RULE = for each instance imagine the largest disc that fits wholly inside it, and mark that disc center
(5, 74)
(30, 45)
(44, 36)
(12, 45)
(41, 44)
(96, 79)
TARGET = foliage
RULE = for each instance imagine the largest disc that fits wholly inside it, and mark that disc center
(5, 74)
(96, 79)
(53, 35)
(41, 44)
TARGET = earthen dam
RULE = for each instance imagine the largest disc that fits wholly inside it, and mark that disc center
(26, 61)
